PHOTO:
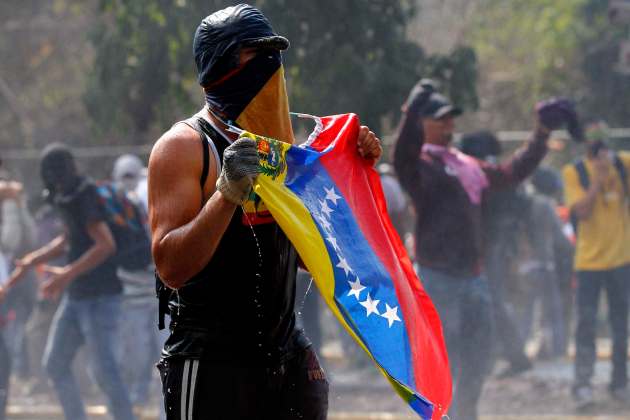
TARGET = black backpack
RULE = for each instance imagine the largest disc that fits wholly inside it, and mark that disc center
(128, 222)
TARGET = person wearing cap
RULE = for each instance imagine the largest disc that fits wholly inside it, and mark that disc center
(227, 270)
(596, 192)
(447, 189)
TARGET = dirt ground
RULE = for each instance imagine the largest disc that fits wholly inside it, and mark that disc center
(363, 394)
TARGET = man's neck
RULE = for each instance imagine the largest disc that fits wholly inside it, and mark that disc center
(218, 123)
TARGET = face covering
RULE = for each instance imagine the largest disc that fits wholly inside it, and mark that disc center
(58, 172)
(254, 97)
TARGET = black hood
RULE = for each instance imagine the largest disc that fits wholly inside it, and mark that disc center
(58, 170)
(220, 35)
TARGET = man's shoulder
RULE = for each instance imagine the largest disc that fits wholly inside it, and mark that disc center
(179, 135)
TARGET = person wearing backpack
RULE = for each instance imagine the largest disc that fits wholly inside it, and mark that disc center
(88, 286)
(596, 189)
(140, 340)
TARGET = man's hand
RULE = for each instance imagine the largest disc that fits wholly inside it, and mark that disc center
(556, 113)
(240, 169)
(22, 266)
(10, 190)
(368, 145)
(56, 284)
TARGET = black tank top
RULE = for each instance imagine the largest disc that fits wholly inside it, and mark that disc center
(241, 305)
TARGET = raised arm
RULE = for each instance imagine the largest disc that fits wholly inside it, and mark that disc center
(521, 164)
(409, 137)
(186, 229)
(551, 114)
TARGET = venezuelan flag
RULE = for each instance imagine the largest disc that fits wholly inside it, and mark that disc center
(329, 202)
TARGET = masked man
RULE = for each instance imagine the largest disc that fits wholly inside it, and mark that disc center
(234, 351)
(89, 288)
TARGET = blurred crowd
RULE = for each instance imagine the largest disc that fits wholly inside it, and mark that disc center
(529, 234)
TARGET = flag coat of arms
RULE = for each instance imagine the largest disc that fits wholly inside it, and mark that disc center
(329, 202)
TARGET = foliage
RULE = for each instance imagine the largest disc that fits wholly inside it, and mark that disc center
(349, 56)
(604, 89)
(528, 50)
(540, 48)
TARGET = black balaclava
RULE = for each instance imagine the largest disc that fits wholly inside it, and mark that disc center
(58, 170)
(251, 96)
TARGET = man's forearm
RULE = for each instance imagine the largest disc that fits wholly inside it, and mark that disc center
(185, 251)
(522, 163)
(52, 249)
(90, 259)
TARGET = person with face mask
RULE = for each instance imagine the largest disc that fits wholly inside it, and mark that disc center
(140, 339)
(596, 192)
(227, 269)
(448, 189)
(87, 285)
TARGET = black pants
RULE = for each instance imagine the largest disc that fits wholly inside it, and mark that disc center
(203, 390)
(590, 283)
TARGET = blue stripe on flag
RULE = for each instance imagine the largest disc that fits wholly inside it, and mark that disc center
(364, 290)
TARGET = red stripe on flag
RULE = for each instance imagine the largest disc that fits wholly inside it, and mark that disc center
(359, 184)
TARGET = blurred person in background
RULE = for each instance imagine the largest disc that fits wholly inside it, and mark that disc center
(49, 225)
(17, 235)
(447, 188)
(596, 191)
(87, 285)
(503, 224)
(140, 340)
(397, 205)
(547, 265)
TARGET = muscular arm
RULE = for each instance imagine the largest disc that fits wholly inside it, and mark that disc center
(185, 233)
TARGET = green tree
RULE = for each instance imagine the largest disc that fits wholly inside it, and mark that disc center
(348, 56)
(604, 94)
(527, 50)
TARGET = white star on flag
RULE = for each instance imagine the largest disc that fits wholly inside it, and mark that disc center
(344, 264)
(391, 314)
(370, 305)
(333, 242)
(325, 223)
(325, 209)
(356, 288)
(331, 195)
